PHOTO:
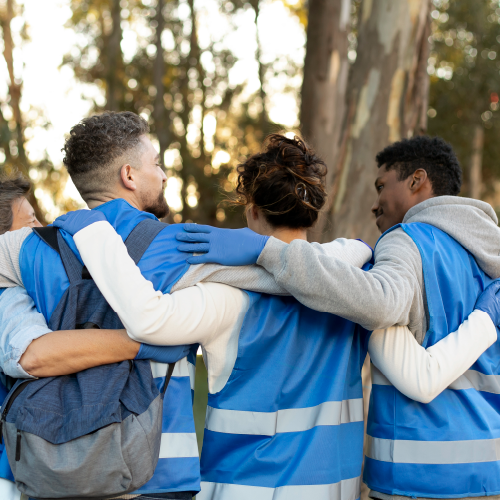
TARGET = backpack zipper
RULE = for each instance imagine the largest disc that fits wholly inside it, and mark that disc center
(18, 446)
(20, 388)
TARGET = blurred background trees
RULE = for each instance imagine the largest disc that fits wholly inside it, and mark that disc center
(359, 75)
(214, 77)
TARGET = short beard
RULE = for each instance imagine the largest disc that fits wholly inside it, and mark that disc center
(159, 207)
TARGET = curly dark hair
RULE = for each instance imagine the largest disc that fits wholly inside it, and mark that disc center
(12, 187)
(432, 154)
(94, 144)
(285, 180)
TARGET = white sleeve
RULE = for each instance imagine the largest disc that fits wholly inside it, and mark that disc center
(10, 248)
(353, 252)
(8, 490)
(422, 374)
(192, 315)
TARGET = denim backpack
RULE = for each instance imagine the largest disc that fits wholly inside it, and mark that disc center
(97, 433)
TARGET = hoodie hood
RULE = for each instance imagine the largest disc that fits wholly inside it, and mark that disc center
(473, 223)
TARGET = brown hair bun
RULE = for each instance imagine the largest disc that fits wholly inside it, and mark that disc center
(285, 181)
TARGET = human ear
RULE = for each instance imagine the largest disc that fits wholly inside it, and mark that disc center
(254, 212)
(418, 179)
(127, 177)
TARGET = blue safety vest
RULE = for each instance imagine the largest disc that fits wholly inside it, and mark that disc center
(289, 421)
(450, 447)
(46, 280)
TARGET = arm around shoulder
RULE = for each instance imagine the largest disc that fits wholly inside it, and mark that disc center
(378, 298)
(422, 374)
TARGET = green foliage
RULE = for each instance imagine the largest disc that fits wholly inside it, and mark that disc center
(464, 65)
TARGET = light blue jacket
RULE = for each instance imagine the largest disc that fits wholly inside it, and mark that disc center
(20, 324)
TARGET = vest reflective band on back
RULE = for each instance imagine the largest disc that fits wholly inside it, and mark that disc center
(45, 279)
(343, 490)
(289, 422)
(450, 447)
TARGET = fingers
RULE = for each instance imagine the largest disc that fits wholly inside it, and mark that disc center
(198, 259)
(194, 248)
(193, 237)
(496, 286)
(197, 228)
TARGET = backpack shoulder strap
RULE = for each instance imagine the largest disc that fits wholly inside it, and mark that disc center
(48, 234)
(142, 236)
(53, 238)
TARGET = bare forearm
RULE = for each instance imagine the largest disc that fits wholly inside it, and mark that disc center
(71, 351)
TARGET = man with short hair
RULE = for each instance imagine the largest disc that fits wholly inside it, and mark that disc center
(116, 169)
(437, 253)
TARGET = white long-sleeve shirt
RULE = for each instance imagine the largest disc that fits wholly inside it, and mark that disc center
(211, 314)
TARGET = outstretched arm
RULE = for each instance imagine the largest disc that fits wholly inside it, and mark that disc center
(422, 374)
(28, 348)
(65, 352)
(192, 315)
(379, 298)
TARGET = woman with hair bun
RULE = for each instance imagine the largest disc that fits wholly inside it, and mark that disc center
(285, 408)
(282, 188)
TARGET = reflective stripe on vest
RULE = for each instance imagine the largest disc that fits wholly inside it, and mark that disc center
(450, 447)
(289, 422)
(348, 489)
(471, 379)
(177, 444)
(433, 452)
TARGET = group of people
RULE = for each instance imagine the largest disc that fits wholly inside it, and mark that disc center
(284, 326)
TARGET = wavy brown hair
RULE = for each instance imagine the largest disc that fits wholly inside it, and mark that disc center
(285, 181)
(12, 187)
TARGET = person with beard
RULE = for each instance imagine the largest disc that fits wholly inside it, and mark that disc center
(115, 167)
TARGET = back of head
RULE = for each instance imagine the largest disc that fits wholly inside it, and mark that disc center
(98, 146)
(12, 187)
(285, 181)
(432, 154)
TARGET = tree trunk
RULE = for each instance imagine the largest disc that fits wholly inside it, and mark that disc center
(14, 87)
(387, 101)
(264, 117)
(21, 162)
(5, 136)
(160, 113)
(326, 69)
(114, 59)
(476, 178)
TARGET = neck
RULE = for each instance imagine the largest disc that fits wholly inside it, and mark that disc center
(98, 199)
(287, 235)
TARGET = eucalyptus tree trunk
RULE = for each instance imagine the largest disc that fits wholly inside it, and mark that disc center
(19, 160)
(387, 101)
(14, 85)
(475, 174)
(324, 87)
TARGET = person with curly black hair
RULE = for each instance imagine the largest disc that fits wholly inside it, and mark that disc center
(438, 252)
(427, 166)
